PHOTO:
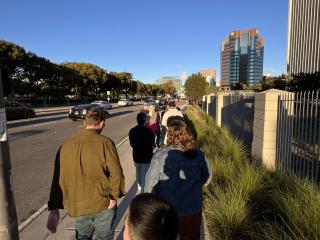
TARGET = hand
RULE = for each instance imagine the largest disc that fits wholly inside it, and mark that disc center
(112, 204)
(53, 220)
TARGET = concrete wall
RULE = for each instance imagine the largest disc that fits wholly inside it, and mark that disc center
(265, 127)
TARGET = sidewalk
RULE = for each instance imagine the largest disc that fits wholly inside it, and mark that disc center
(37, 229)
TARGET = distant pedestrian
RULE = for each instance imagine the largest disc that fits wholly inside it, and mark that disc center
(166, 107)
(142, 143)
(153, 119)
(171, 114)
(177, 173)
(151, 218)
(87, 181)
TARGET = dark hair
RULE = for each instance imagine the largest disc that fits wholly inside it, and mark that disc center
(151, 217)
(141, 118)
(172, 104)
(179, 135)
(172, 119)
(94, 116)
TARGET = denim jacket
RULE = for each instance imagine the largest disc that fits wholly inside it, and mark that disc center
(178, 179)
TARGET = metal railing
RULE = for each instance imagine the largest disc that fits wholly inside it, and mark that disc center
(298, 134)
(237, 115)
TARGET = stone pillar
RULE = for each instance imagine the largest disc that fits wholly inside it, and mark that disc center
(219, 106)
(204, 103)
(265, 127)
(208, 103)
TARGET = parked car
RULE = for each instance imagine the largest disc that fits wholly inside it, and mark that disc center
(125, 102)
(106, 105)
(80, 111)
(16, 110)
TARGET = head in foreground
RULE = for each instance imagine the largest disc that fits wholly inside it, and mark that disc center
(151, 217)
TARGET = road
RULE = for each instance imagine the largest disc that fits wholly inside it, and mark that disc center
(33, 144)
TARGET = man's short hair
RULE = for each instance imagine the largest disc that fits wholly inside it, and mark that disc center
(94, 116)
(141, 118)
(152, 217)
(172, 104)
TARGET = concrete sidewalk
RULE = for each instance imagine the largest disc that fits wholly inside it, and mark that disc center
(36, 230)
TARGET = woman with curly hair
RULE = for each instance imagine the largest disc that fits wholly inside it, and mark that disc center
(177, 173)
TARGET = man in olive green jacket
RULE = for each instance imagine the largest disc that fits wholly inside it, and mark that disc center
(88, 180)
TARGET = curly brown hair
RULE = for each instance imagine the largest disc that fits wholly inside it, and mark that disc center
(179, 135)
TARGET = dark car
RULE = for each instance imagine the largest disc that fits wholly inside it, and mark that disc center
(80, 111)
(15, 110)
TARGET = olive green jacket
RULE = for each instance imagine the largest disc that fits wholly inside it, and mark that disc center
(87, 174)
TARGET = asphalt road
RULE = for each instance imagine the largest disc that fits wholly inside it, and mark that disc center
(33, 145)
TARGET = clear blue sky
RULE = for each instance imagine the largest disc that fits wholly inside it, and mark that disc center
(150, 38)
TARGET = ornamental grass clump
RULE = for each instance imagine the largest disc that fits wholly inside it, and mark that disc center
(246, 201)
(227, 213)
(299, 209)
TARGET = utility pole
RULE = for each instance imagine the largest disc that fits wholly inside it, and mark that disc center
(8, 215)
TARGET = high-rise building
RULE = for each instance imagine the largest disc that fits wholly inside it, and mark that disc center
(303, 49)
(210, 75)
(242, 58)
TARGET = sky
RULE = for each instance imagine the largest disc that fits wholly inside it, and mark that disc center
(148, 38)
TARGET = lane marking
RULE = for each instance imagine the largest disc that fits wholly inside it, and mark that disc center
(30, 219)
(120, 143)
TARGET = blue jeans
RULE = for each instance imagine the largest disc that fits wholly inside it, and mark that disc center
(101, 224)
(141, 171)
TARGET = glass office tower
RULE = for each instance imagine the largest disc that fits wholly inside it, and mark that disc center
(242, 58)
(303, 49)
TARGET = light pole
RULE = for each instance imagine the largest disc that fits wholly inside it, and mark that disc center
(8, 215)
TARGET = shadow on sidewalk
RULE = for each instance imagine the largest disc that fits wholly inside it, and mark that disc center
(122, 211)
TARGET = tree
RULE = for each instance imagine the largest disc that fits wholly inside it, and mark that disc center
(168, 88)
(196, 87)
(304, 82)
(12, 60)
(278, 82)
(212, 89)
(91, 79)
(141, 89)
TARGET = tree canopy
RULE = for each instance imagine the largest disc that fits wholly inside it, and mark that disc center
(25, 73)
(196, 87)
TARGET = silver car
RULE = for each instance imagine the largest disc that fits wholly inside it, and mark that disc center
(125, 102)
(104, 104)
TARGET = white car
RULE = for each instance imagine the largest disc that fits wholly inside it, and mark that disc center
(125, 102)
(104, 104)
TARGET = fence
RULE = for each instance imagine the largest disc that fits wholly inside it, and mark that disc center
(298, 134)
(282, 129)
(234, 110)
